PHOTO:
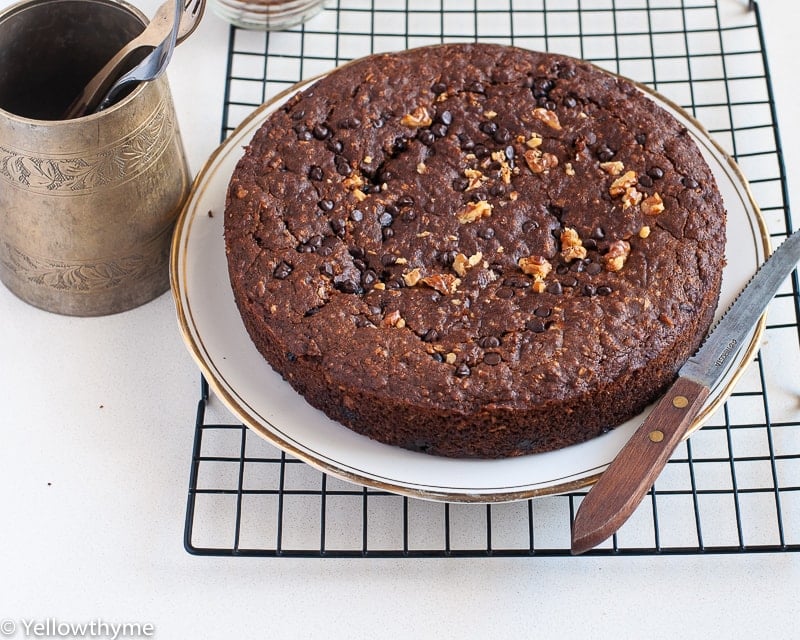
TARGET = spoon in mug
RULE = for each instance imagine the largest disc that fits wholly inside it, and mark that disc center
(154, 35)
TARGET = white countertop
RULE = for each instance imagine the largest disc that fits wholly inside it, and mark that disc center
(96, 428)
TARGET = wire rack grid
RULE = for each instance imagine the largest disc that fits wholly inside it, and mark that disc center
(733, 487)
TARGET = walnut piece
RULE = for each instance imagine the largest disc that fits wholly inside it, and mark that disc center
(419, 117)
(571, 245)
(613, 168)
(412, 277)
(632, 197)
(617, 254)
(462, 263)
(539, 161)
(474, 211)
(550, 118)
(626, 181)
(536, 266)
(652, 205)
(444, 283)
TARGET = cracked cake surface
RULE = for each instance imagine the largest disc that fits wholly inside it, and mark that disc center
(474, 249)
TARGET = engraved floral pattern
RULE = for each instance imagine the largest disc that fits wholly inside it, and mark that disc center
(125, 160)
(85, 276)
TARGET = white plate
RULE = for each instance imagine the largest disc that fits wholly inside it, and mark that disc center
(214, 333)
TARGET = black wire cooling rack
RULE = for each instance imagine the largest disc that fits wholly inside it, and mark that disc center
(733, 487)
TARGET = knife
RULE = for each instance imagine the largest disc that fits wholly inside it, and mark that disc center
(623, 485)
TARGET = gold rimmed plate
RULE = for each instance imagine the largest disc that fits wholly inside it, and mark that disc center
(215, 336)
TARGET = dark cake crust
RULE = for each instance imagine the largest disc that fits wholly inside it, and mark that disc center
(475, 250)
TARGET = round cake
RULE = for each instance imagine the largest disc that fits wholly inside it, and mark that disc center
(475, 250)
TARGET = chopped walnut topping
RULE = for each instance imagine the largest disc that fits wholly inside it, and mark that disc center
(505, 168)
(613, 168)
(631, 198)
(423, 234)
(652, 205)
(540, 162)
(419, 117)
(490, 114)
(461, 262)
(539, 286)
(626, 181)
(450, 358)
(550, 118)
(412, 277)
(474, 211)
(241, 192)
(444, 283)
(571, 245)
(353, 181)
(568, 169)
(644, 232)
(617, 254)
(392, 319)
(534, 141)
(422, 168)
(380, 286)
(359, 195)
(475, 177)
(536, 266)
(401, 260)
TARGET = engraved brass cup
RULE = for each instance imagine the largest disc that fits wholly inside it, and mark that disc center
(87, 206)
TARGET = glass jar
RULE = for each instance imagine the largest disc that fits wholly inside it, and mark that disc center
(270, 15)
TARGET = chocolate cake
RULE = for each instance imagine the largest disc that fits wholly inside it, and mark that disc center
(475, 250)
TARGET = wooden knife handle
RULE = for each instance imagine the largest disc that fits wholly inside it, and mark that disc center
(620, 489)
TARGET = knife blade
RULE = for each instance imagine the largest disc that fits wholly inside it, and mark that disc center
(623, 485)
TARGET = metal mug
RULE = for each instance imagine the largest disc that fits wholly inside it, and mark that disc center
(87, 206)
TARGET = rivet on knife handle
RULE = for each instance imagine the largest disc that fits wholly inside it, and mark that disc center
(629, 477)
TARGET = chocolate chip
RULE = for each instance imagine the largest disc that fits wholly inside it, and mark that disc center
(438, 87)
(445, 117)
(369, 277)
(439, 130)
(646, 181)
(542, 312)
(593, 268)
(486, 234)
(689, 183)
(409, 215)
(466, 142)
(502, 136)
(405, 201)
(321, 132)
(641, 138)
(489, 127)
(342, 165)
(656, 173)
(604, 290)
(437, 356)
(447, 257)
(357, 253)
(598, 233)
(460, 184)
(517, 282)
(426, 137)
(356, 215)
(387, 259)
(529, 225)
(335, 145)
(556, 211)
(555, 288)
(604, 153)
(282, 271)
(462, 371)
(504, 293)
(536, 325)
(431, 335)
(325, 205)
(311, 312)
(387, 232)
(385, 219)
(353, 122)
(497, 190)
(315, 173)
(562, 268)
(399, 145)
(475, 87)
(577, 266)
(326, 269)
(589, 290)
(590, 244)
(290, 356)
(541, 86)
(569, 281)
(492, 358)
(489, 342)
(346, 283)
(569, 102)
(481, 151)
